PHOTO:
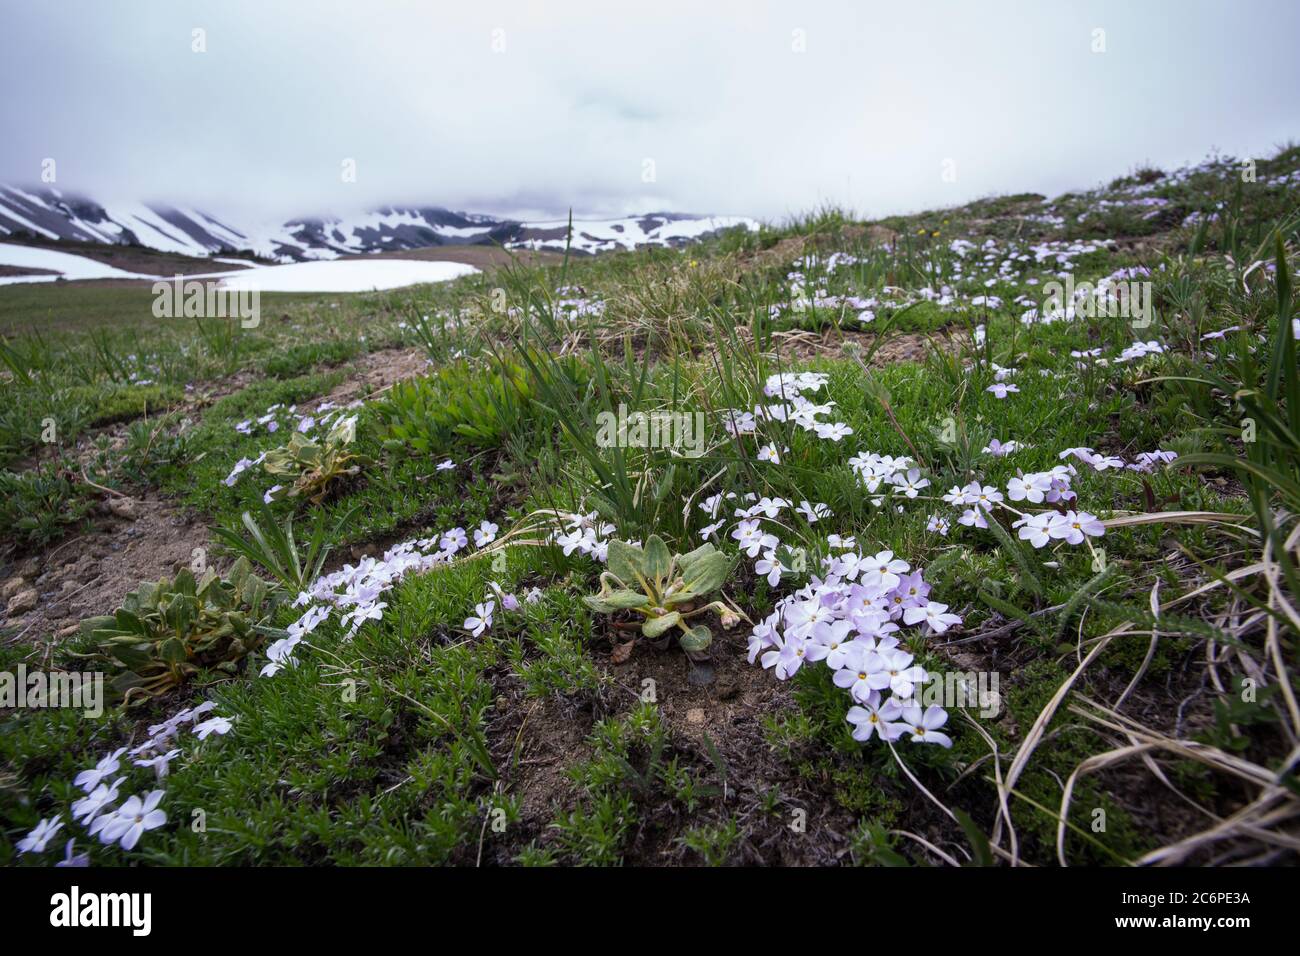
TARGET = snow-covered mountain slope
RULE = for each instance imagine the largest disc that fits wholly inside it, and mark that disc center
(601, 235)
(49, 214)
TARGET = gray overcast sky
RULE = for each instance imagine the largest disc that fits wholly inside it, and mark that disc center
(531, 107)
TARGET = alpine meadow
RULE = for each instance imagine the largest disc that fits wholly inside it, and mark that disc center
(573, 533)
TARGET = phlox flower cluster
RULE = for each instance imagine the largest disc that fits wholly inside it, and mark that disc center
(288, 417)
(355, 592)
(885, 475)
(242, 466)
(1145, 462)
(849, 619)
(573, 303)
(157, 751)
(1039, 529)
(749, 512)
(485, 611)
(1052, 487)
(318, 421)
(794, 407)
(830, 263)
(586, 534)
(819, 296)
(1000, 449)
(991, 263)
(1132, 353)
(99, 812)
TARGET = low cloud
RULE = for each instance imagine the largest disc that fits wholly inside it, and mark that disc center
(533, 108)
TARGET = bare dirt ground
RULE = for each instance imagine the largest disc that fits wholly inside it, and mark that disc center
(537, 741)
(25, 271)
(378, 371)
(132, 540)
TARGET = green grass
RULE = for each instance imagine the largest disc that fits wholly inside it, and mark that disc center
(415, 743)
(39, 506)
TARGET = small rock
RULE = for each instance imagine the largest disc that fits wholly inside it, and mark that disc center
(22, 602)
(12, 587)
(29, 568)
(695, 715)
(123, 508)
(68, 585)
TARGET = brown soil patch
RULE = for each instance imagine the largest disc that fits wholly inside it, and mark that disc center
(371, 373)
(534, 742)
(25, 271)
(140, 539)
(136, 539)
(781, 254)
(378, 371)
(738, 694)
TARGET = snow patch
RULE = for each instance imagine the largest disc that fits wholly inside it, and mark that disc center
(68, 265)
(343, 275)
